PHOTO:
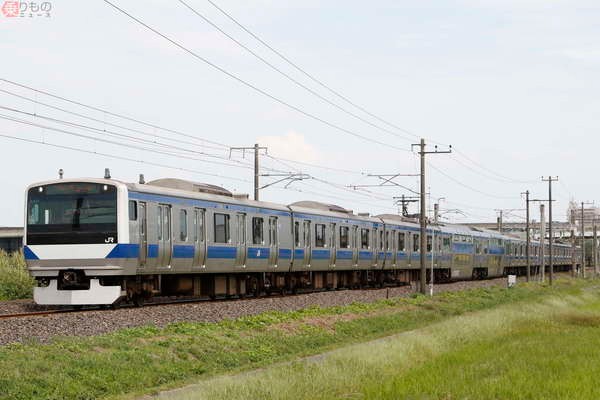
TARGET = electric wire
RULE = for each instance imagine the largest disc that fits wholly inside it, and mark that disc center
(291, 78)
(122, 158)
(252, 86)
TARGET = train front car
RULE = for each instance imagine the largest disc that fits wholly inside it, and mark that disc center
(75, 233)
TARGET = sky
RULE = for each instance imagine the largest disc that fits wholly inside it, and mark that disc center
(511, 85)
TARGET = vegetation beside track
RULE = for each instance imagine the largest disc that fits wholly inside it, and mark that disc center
(15, 282)
(140, 360)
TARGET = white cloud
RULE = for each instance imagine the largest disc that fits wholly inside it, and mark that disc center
(292, 146)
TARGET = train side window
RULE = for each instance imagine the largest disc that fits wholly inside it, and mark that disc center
(429, 243)
(319, 235)
(222, 234)
(257, 230)
(387, 240)
(133, 210)
(401, 241)
(416, 242)
(344, 237)
(297, 233)
(183, 226)
(364, 238)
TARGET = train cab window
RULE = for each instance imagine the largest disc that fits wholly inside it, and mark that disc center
(364, 238)
(257, 230)
(183, 227)
(429, 243)
(344, 237)
(401, 241)
(297, 233)
(133, 210)
(416, 242)
(319, 235)
(222, 234)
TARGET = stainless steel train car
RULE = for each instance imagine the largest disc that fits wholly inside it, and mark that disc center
(101, 241)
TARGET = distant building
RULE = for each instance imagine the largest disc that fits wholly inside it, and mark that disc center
(591, 214)
(11, 239)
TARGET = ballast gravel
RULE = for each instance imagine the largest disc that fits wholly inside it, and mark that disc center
(97, 322)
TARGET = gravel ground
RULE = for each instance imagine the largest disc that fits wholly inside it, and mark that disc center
(89, 323)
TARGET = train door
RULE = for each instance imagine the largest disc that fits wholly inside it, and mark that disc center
(375, 247)
(273, 241)
(241, 239)
(307, 244)
(394, 247)
(165, 242)
(355, 244)
(332, 245)
(199, 238)
(143, 230)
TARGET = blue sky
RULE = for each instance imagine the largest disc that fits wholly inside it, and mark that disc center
(512, 85)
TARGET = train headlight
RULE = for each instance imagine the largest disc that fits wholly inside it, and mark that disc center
(44, 282)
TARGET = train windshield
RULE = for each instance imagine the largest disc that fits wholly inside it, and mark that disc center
(72, 213)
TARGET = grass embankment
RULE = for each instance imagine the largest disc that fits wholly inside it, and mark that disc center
(545, 349)
(139, 360)
(15, 282)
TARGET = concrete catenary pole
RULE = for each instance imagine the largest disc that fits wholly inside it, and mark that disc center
(582, 239)
(528, 235)
(542, 242)
(595, 249)
(423, 221)
(573, 253)
(256, 172)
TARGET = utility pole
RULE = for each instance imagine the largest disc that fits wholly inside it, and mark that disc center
(550, 180)
(499, 220)
(595, 249)
(404, 201)
(423, 216)
(436, 213)
(528, 237)
(256, 148)
(583, 203)
(542, 242)
(582, 240)
(573, 253)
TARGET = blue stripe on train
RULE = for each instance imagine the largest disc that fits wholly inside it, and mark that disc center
(320, 254)
(182, 251)
(258, 253)
(285, 254)
(344, 255)
(221, 252)
(29, 255)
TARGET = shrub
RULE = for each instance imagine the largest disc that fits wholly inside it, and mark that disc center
(15, 281)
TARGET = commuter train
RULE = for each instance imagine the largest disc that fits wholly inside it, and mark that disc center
(102, 241)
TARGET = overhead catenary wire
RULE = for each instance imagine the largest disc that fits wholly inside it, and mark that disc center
(107, 112)
(104, 122)
(252, 86)
(308, 75)
(122, 158)
(291, 78)
(231, 163)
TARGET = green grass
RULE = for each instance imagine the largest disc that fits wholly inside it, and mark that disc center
(142, 360)
(547, 348)
(15, 282)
